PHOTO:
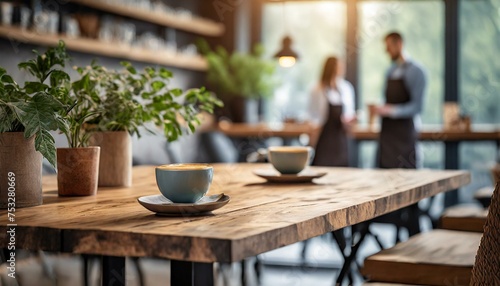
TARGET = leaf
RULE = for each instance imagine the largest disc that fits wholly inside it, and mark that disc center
(39, 114)
(7, 79)
(58, 77)
(129, 67)
(176, 91)
(165, 74)
(158, 85)
(45, 144)
(34, 87)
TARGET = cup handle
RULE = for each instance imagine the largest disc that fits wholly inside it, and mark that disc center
(312, 153)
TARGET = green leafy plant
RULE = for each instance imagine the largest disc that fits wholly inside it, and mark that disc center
(126, 99)
(35, 108)
(73, 111)
(239, 74)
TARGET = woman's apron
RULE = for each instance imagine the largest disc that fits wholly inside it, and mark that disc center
(331, 149)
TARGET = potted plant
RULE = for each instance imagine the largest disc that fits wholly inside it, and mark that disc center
(127, 99)
(240, 80)
(27, 115)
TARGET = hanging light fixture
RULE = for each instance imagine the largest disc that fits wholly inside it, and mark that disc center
(286, 55)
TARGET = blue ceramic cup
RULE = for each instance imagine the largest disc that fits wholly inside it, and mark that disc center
(290, 159)
(184, 183)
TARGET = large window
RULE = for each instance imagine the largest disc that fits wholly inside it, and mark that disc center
(318, 31)
(479, 64)
(479, 84)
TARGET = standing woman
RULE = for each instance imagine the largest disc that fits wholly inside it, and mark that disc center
(331, 106)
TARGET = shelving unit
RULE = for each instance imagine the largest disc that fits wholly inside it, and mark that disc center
(193, 24)
(90, 46)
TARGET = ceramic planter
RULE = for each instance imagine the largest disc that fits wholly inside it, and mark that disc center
(77, 171)
(20, 171)
(115, 166)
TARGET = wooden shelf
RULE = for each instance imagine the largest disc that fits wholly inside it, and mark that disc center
(193, 24)
(114, 50)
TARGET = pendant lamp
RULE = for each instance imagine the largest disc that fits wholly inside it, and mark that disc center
(286, 55)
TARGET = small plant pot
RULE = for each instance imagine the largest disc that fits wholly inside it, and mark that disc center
(115, 165)
(77, 171)
(20, 171)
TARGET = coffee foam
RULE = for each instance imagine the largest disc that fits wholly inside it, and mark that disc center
(184, 167)
(289, 149)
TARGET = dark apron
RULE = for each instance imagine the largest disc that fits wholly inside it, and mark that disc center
(331, 149)
(398, 136)
(396, 149)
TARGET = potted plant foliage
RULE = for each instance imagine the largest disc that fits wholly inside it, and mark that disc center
(240, 80)
(27, 115)
(127, 99)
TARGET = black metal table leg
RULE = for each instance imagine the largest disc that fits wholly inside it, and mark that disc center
(185, 273)
(349, 259)
(451, 163)
(113, 271)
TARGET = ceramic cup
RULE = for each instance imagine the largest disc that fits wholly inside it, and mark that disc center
(184, 183)
(290, 159)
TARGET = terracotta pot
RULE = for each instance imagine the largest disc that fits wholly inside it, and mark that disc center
(21, 166)
(115, 166)
(77, 171)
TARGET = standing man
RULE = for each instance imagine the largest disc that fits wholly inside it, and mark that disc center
(404, 97)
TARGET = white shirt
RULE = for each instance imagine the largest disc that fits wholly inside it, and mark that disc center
(320, 100)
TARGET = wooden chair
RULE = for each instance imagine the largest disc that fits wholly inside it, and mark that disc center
(483, 196)
(443, 257)
(464, 218)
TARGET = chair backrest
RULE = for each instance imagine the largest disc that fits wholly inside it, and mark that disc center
(486, 269)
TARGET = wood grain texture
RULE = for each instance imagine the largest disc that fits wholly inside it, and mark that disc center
(464, 218)
(439, 257)
(260, 216)
(95, 47)
(360, 133)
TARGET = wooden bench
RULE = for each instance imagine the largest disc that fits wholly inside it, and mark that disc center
(464, 218)
(443, 257)
(439, 257)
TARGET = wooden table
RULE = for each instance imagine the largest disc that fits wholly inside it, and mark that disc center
(451, 140)
(265, 130)
(260, 217)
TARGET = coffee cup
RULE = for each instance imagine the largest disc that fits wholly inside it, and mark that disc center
(184, 183)
(290, 159)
